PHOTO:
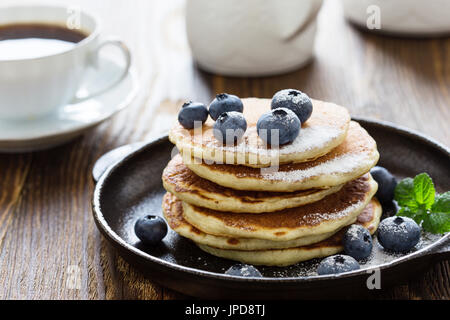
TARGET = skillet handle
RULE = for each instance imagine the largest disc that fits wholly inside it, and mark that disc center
(111, 157)
(442, 252)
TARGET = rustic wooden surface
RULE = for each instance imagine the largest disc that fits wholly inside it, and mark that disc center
(49, 245)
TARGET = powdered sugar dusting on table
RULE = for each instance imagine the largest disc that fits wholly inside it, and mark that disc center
(343, 164)
(378, 257)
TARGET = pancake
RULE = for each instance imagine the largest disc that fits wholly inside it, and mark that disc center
(187, 186)
(369, 218)
(173, 212)
(327, 215)
(351, 159)
(324, 130)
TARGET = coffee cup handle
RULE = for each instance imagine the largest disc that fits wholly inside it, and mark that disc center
(94, 61)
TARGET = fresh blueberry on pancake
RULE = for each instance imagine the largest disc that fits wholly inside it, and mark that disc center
(192, 114)
(278, 127)
(150, 229)
(243, 270)
(324, 131)
(337, 264)
(230, 127)
(398, 234)
(294, 100)
(386, 184)
(225, 102)
(357, 242)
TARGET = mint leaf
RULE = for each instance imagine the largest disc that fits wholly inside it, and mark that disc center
(406, 212)
(442, 203)
(436, 222)
(417, 215)
(424, 191)
(404, 194)
(418, 200)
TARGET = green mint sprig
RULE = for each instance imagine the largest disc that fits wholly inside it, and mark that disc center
(418, 200)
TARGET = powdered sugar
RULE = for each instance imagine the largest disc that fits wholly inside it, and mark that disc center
(309, 138)
(378, 257)
(354, 233)
(336, 215)
(337, 264)
(344, 164)
(296, 97)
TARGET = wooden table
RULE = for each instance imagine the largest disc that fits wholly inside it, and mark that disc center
(49, 245)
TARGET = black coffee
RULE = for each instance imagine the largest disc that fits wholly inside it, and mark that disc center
(33, 40)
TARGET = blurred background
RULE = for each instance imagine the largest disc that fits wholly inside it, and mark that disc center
(399, 74)
(372, 75)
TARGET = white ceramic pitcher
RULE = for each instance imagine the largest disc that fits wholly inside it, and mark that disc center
(251, 37)
(406, 17)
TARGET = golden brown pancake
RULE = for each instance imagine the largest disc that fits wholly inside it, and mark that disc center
(327, 215)
(187, 186)
(325, 130)
(173, 212)
(284, 257)
(351, 159)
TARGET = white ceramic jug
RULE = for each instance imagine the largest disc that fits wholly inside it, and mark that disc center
(251, 37)
(407, 17)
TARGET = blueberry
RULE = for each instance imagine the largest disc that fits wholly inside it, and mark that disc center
(225, 102)
(398, 234)
(230, 127)
(243, 270)
(150, 229)
(283, 120)
(386, 184)
(337, 264)
(357, 242)
(192, 112)
(294, 100)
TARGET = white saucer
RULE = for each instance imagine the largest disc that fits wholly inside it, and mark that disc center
(74, 119)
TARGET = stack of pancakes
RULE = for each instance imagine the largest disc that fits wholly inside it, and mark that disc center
(273, 206)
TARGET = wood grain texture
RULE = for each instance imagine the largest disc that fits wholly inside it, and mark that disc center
(49, 245)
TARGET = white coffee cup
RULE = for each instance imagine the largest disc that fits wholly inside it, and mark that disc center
(251, 37)
(35, 87)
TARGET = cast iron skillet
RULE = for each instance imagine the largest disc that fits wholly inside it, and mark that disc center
(132, 188)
